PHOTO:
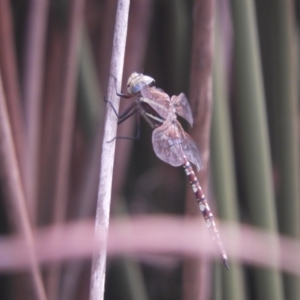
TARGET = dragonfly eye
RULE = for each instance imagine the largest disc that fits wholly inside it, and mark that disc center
(136, 81)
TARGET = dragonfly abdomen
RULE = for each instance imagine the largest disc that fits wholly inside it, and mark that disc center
(205, 210)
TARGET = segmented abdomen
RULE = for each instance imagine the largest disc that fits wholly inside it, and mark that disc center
(206, 211)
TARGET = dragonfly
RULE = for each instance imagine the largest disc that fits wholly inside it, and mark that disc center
(170, 142)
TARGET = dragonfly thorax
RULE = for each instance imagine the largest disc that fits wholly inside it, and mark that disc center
(136, 81)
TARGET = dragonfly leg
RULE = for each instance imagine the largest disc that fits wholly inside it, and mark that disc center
(125, 116)
(126, 96)
(129, 111)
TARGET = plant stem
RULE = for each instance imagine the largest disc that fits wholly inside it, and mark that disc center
(108, 150)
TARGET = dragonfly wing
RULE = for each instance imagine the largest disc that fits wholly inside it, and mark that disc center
(182, 107)
(157, 99)
(191, 151)
(166, 141)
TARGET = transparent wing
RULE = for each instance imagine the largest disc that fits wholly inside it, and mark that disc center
(157, 99)
(166, 141)
(191, 151)
(182, 107)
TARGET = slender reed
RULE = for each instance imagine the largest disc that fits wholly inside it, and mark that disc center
(108, 149)
(68, 96)
(253, 142)
(195, 285)
(32, 91)
(15, 195)
(8, 65)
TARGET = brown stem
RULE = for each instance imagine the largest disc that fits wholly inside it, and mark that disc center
(32, 88)
(65, 138)
(195, 272)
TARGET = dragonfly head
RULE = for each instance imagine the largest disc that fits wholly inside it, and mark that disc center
(136, 81)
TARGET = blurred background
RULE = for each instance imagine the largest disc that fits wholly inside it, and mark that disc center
(237, 61)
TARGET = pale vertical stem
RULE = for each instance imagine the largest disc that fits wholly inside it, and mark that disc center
(85, 198)
(138, 27)
(108, 150)
(15, 194)
(32, 88)
(138, 34)
(195, 285)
